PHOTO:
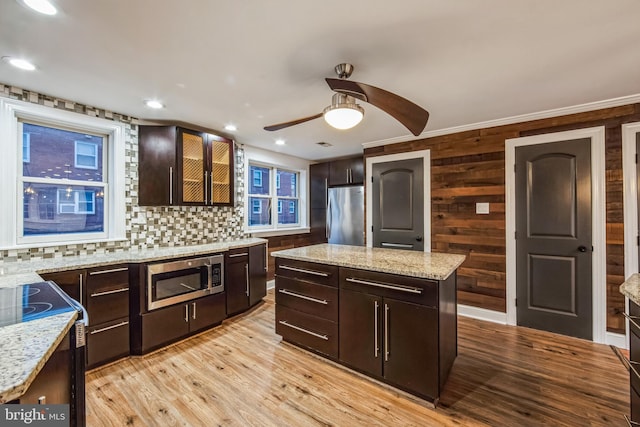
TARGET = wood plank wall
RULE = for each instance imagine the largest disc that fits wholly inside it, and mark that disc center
(469, 167)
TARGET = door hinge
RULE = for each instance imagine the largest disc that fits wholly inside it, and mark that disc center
(638, 240)
(372, 228)
(636, 157)
(516, 302)
(372, 179)
(514, 167)
(515, 235)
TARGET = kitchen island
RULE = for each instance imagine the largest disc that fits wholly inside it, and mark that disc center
(389, 314)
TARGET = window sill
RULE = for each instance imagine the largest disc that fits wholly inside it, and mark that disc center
(278, 232)
(61, 243)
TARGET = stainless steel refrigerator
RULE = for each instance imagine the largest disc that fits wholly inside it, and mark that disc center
(345, 215)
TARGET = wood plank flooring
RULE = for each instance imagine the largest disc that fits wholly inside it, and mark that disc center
(240, 374)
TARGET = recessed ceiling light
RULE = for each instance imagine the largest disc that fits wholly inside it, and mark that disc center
(279, 141)
(43, 6)
(23, 64)
(152, 103)
(231, 128)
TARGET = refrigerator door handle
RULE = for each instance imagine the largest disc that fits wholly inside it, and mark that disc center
(327, 226)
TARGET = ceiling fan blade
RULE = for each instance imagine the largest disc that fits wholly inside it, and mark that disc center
(291, 123)
(412, 116)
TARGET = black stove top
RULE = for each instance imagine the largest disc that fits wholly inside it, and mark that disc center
(33, 301)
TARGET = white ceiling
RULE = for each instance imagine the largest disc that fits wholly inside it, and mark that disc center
(256, 62)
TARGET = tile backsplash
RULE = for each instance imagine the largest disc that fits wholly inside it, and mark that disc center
(146, 227)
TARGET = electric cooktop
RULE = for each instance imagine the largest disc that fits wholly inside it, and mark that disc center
(28, 302)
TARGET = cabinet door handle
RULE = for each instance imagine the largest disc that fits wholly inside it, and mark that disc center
(402, 288)
(170, 185)
(246, 270)
(386, 333)
(97, 331)
(306, 331)
(186, 313)
(237, 255)
(375, 330)
(113, 270)
(193, 315)
(305, 297)
(115, 291)
(206, 193)
(81, 286)
(632, 319)
(303, 270)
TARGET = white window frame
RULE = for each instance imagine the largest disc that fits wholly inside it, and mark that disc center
(12, 112)
(94, 166)
(274, 227)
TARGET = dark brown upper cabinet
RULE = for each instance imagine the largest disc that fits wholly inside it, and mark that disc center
(179, 166)
(346, 171)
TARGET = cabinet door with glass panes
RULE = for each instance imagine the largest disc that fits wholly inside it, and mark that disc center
(274, 197)
(205, 168)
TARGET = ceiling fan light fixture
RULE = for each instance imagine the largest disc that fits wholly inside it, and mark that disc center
(343, 113)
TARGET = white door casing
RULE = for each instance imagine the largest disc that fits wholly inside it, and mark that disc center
(598, 192)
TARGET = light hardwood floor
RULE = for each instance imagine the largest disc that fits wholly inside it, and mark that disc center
(241, 374)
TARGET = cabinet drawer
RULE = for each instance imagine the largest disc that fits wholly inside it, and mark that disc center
(107, 294)
(317, 300)
(308, 271)
(309, 331)
(107, 342)
(238, 255)
(410, 289)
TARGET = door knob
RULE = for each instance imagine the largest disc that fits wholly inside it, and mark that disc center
(582, 248)
(419, 239)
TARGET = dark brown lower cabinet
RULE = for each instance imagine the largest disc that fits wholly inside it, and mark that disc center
(107, 341)
(245, 277)
(379, 336)
(165, 325)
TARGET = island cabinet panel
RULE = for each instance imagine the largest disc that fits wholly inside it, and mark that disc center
(312, 332)
(392, 339)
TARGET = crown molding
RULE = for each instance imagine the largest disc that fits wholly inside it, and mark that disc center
(581, 108)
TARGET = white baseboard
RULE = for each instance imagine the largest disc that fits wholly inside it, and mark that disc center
(619, 340)
(482, 314)
(271, 284)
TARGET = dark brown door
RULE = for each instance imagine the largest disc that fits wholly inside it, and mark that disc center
(206, 312)
(236, 280)
(257, 273)
(553, 237)
(157, 169)
(360, 324)
(397, 201)
(410, 352)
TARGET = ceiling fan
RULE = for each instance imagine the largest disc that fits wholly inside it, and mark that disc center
(345, 113)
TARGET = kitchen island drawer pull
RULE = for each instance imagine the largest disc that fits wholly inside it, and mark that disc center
(115, 291)
(629, 422)
(306, 331)
(632, 319)
(304, 270)
(97, 331)
(630, 365)
(402, 288)
(237, 255)
(297, 295)
(113, 270)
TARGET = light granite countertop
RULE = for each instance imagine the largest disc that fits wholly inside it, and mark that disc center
(631, 288)
(26, 347)
(426, 265)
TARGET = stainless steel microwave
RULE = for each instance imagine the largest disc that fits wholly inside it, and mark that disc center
(174, 282)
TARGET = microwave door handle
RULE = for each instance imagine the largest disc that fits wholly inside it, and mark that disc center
(209, 280)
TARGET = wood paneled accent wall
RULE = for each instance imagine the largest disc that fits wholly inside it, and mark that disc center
(278, 243)
(469, 167)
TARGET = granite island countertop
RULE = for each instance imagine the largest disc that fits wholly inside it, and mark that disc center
(426, 265)
(631, 288)
(26, 347)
